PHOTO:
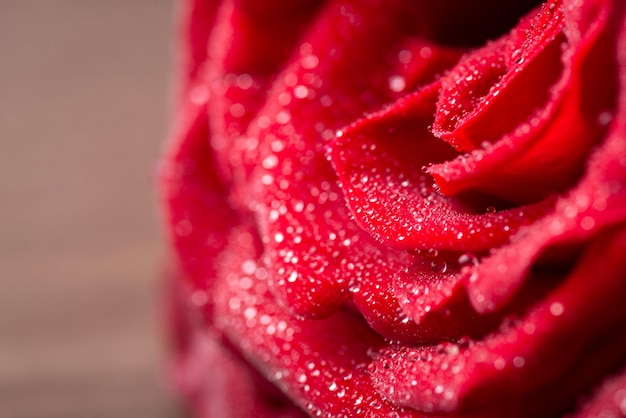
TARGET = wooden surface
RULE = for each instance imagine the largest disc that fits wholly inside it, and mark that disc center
(83, 111)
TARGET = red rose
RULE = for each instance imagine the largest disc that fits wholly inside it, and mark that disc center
(391, 208)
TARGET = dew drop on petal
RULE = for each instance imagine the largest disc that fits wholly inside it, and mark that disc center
(519, 361)
(557, 309)
(397, 83)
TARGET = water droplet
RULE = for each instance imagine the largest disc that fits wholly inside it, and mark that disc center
(587, 223)
(376, 404)
(283, 117)
(432, 252)
(426, 52)
(405, 56)
(397, 83)
(270, 162)
(557, 309)
(237, 110)
(604, 118)
(499, 363)
(467, 259)
(199, 298)
(244, 81)
(438, 266)
(300, 91)
(250, 312)
(309, 62)
(371, 368)
(519, 361)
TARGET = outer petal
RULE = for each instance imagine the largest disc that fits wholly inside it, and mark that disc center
(247, 49)
(308, 235)
(219, 384)
(322, 363)
(191, 188)
(561, 346)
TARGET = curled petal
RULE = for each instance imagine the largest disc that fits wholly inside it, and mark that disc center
(486, 94)
(595, 203)
(379, 161)
(556, 133)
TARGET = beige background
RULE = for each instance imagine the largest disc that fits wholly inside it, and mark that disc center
(83, 111)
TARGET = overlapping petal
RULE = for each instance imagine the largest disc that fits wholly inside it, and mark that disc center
(555, 125)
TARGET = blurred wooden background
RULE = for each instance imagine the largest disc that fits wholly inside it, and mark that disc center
(83, 111)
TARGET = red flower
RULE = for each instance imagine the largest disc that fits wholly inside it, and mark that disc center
(392, 208)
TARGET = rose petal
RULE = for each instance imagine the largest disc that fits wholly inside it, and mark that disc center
(218, 384)
(595, 203)
(589, 208)
(191, 188)
(320, 363)
(379, 159)
(197, 22)
(486, 94)
(238, 75)
(430, 293)
(554, 346)
(555, 138)
(374, 296)
(301, 212)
